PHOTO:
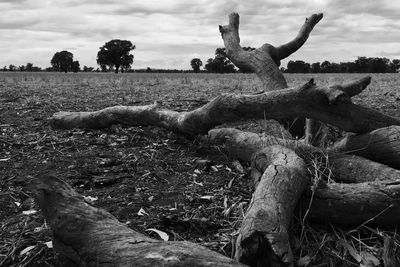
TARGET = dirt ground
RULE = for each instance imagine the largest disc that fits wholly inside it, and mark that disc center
(147, 177)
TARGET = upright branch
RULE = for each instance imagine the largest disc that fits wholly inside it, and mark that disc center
(259, 60)
(265, 60)
(289, 48)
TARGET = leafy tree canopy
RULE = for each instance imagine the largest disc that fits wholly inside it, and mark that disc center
(196, 64)
(62, 61)
(116, 54)
(220, 63)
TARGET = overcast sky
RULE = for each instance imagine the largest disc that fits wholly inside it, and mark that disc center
(169, 33)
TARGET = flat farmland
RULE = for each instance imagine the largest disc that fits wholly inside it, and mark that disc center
(124, 169)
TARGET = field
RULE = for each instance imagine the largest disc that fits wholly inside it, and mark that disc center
(125, 169)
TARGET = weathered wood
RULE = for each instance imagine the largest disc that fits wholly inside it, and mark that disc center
(265, 61)
(376, 203)
(343, 168)
(311, 131)
(355, 169)
(328, 104)
(263, 237)
(381, 145)
(93, 237)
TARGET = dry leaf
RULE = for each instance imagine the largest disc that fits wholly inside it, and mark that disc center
(29, 212)
(26, 250)
(164, 236)
(49, 244)
(142, 212)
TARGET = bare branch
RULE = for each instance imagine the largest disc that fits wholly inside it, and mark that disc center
(289, 48)
(260, 60)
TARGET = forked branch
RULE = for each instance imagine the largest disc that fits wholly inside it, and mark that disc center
(265, 60)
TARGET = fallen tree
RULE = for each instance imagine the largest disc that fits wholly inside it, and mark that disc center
(350, 189)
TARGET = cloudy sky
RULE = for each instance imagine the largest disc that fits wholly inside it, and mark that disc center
(169, 33)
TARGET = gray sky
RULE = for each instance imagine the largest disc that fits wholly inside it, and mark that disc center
(169, 33)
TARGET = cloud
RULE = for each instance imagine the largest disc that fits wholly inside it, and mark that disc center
(169, 33)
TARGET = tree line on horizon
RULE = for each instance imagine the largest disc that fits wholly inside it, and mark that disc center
(360, 65)
(221, 64)
(116, 56)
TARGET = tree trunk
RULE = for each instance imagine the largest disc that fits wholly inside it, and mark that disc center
(371, 187)
(93, 237)
(381, 145)
(328, 104)
(263, 237)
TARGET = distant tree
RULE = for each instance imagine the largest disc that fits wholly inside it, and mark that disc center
(326, 66)
(196, 64)
(315, 67)
(5, 68)
(87, 69)
(298, 66)
(62, 61)
(21, 68)
(115, 53)
(395, 65)
(12, 67)
(29, 66)
(220, 63)
(362, 64)
(75, 67)
(149, 69)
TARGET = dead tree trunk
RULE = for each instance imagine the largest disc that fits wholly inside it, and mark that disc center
(263, 236)
(93, 237)
(351, 189)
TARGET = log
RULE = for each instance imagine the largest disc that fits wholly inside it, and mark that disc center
(328, 104)
(381, 145)
(263, 237)
(375, 203)
(93, 237)
(338, 167)
(381, 180)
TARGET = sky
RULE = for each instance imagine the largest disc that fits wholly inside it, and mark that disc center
(169, 33)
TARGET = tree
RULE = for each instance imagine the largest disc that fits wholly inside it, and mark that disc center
(220, 63)
(116, 54)
(75, 67)
(29, 67)
(359, 186)
(62, 61)
(315, 67)
(298, 66)
(87, 69)
(395, 65)
(196, 64)
(12, 67)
